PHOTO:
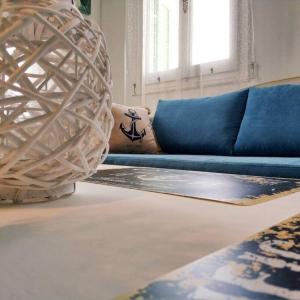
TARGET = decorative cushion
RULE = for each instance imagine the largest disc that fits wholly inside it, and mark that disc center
(200, 126)
(271, 125)
(132, 132)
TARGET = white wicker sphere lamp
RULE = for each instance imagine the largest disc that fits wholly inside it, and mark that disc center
(55, 99)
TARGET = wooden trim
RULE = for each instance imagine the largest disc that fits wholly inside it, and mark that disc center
(294, 80)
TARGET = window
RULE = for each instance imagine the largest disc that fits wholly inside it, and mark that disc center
(163, 35)
(189, 35)
(210, 31)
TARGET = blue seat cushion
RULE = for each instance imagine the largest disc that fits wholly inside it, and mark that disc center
(271, 124)
(200, 126)
(260, 166)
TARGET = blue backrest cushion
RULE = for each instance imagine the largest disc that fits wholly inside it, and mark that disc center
(271, 124)
(200, 126)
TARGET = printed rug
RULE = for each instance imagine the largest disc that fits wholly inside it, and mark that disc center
(227, 188)
(266, 266)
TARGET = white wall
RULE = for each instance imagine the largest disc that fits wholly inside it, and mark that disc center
(113, 20)
(294, 61)
(272, 22)
(96, 11)
(110, 15)
(277, 35)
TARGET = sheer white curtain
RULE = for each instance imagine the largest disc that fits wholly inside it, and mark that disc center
(180, 48)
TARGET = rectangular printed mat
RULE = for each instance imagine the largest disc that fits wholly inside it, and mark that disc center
(266, 266)
(227, 188)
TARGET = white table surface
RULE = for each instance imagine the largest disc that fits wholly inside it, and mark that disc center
(105, 241)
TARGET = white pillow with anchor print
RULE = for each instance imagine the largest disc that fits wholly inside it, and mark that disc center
(132, 132)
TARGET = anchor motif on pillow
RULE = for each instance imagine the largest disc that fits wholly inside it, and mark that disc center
(132, 133)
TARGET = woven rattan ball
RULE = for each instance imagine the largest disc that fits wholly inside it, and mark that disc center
(55, 99)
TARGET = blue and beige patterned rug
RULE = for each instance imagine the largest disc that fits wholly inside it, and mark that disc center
(264, 267)
(227, 188)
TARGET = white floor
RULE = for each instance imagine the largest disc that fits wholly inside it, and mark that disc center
(103, 241)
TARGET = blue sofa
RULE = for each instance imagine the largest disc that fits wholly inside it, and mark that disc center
(255, 131)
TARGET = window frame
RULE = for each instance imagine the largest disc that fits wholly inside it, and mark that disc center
(219, 66)
(185, 68)
(139, 85)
